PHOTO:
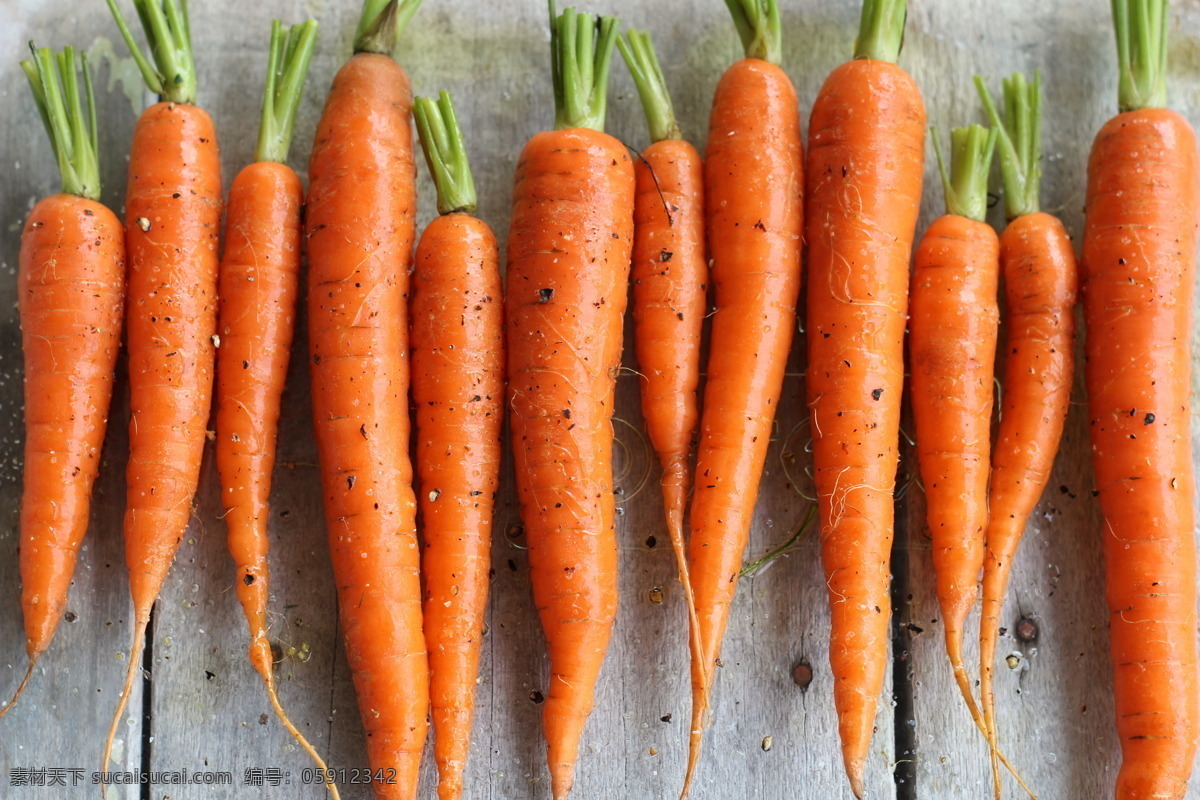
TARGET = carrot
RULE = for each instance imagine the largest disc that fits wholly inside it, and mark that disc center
(360, 232)
(669, 297)
(70, 290)
(257, 288)
(458, 391)
(1038, 265)
(754, 178)
(952, 340)
(172, 221)
(1139, 257)
(569, 249)
(866, 150)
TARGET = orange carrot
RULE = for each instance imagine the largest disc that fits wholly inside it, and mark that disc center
(670, 277)
(458, 390)
(569, 250)
(952, 340)
(257, 288)
(1038, 264)
(1139, 258)
(866, 146)
(754, 179)
(172, 221)
(70, 290)
(360, 231)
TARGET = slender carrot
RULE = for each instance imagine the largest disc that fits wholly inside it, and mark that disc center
(865, 165)
(172, 221)
(1038, 265)
(71, 293)
(1139, 258)
(257, 288)
(952, 338)
(670, 277)
(569, 249)
(360, 231)
(458, 390)
(754, 179)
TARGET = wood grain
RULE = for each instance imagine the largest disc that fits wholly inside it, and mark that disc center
(207, 709)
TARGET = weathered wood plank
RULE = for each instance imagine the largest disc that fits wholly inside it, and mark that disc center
(494, 61)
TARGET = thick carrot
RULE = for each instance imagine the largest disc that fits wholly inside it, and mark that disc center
(1139, 258)
(360, 232)
(71, 292)
(1038, 265)
(257, 288)
(952, 340)
(866, 155)
(669, 297)
(458, 390)
(569, 250)
(754, 180)
(172, 221)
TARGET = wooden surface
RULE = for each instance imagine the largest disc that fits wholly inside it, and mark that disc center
(204, 708)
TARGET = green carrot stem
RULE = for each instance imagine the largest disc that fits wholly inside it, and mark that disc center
(73, 135)
(1141, 27)
(782, 549)
(290, 54)
(966, 182)
(1019, 140)
(642, 61)
(442, 140)
(759, 26)
(881, 30)
(172, 75)
(581, 47)
(381, 24)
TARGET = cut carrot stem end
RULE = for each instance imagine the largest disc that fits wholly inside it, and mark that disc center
(172, 75)
(446, 153)
(1141, 27)
(759, 27)
(581, 47)
(381, 24)
(290, 54)
(638, 52)
(1019, 140)
(966, 180)
(20, 689)
(881, 30)
(56, 90)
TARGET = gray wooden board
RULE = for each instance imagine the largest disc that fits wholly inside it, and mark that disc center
(207, 710)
